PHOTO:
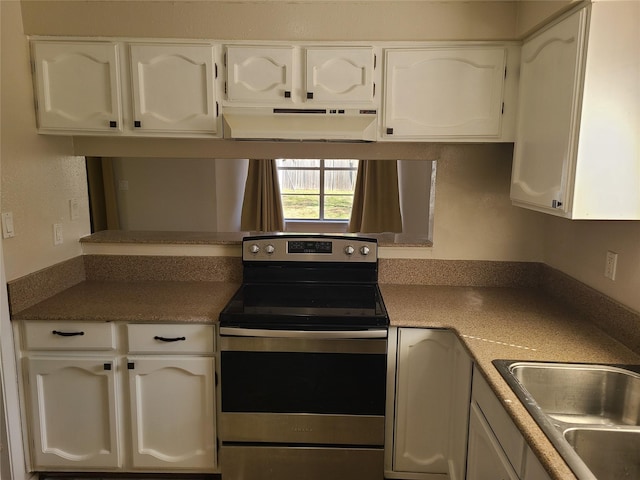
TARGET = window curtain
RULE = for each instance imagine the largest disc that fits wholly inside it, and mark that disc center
(376, 200)
(103, 201)
(262, 204)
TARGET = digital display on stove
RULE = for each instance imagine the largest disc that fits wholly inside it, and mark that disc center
(307, 246)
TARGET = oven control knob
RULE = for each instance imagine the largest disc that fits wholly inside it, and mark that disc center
(349, 250)
(364, 250)
(254, 248)
(269, 249)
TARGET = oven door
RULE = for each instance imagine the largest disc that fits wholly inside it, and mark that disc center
(287, 387)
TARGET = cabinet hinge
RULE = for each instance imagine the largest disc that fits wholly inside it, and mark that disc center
(217, 109)
(374, 90)
(215, 66)
(505, 72)
(503, 108)
(224, 59)
(375, 61)
(225, 88)
(215, 378)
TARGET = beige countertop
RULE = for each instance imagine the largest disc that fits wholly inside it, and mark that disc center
(492, 322)
(197, 302)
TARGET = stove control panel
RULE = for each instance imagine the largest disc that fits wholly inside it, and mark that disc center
(309, 248)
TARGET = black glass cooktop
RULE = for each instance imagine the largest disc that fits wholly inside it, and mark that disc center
(309, 306)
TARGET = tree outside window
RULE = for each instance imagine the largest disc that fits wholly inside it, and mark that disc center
(317, 189)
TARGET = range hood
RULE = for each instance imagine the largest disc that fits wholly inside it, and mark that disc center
(300, 124)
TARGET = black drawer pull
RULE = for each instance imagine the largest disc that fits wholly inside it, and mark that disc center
(174, 339)
(67, 334)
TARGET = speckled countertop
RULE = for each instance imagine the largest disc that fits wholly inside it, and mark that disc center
(492, 322)
(152, 301)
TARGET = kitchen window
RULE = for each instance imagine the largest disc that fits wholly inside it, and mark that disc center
(317, 190)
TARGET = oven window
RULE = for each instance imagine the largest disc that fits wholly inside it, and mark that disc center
(288, 382)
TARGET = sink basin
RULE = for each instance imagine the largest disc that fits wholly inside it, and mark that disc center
(585, 394)
(609, 454)
(591, 413)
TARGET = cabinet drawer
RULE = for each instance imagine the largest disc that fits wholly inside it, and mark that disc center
(53, 335)
(504, 429)
(170, 338)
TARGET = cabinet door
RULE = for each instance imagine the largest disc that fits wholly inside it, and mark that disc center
(339, 75)
(77, 86)
(73, 413)
(259, 74)
(548, 109)
(173, 88)
(428, 397)
(445, 92)
(534, 469)
(172, 412)
(486, 460)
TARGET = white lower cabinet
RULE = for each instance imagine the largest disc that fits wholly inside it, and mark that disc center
(172, 414)
(428, 391)
(73, 411)
(486, 458)
(497, 449)
(117, 397)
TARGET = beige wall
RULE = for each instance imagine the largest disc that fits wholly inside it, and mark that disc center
(166, 194)
(39, 176)
(474, 218)
(532, 14)
(579, 248)
(274, 20)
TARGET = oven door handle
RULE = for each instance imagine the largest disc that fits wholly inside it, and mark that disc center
(315, 334)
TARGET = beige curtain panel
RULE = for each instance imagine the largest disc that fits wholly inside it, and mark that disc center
(376, 200)
(103, 198)
(262, 205)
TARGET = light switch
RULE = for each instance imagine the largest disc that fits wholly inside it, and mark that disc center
(74, 209)
(57, 234)
(7, 225)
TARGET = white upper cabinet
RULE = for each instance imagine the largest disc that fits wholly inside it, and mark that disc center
(577, 150)
(173, 88)
(548, 114)
(441, 92)
(291, 75)
(116, 88)
(342, 75)
(77, 86)
(259, 74)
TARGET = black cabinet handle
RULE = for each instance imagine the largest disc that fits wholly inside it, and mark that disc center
(113, 124)
(107, 366)
(131, 366)
(67, 334)
(174, 339)
(287, 94)
(309, 95)
(137, 124)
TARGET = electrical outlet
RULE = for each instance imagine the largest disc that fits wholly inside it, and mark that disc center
(610, 265)
(57, 234)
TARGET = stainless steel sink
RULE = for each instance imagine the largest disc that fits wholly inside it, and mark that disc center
(591, 413)
(609, 454)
